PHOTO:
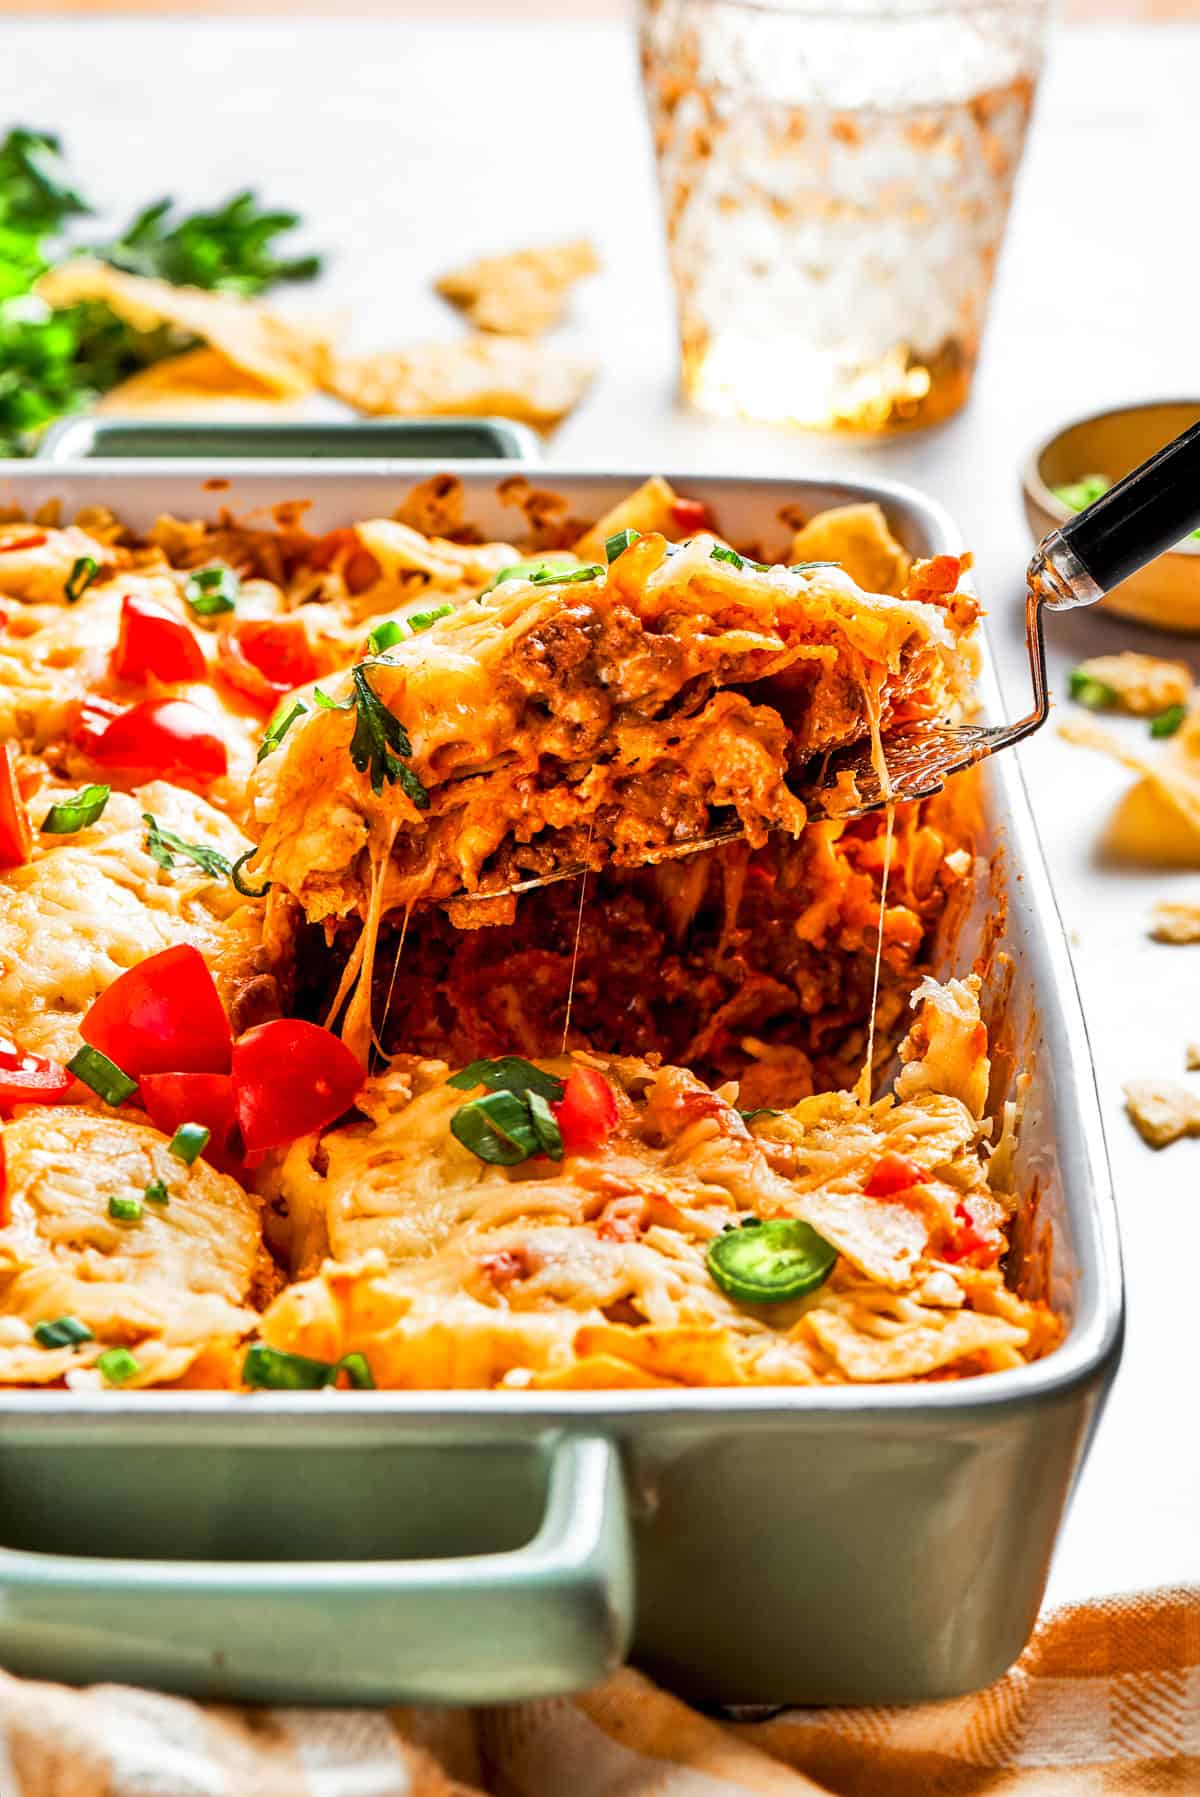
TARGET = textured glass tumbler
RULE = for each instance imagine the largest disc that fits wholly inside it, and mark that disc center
(836, 179)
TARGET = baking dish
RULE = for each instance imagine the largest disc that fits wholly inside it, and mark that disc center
(834, 1545)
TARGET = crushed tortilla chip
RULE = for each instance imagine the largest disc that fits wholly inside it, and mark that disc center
(1162, 1111)
(1144, 685)
(1176, 923)
(1157, 822)
(858, 537)
(916, 1350)
(507, 377)
(523, 293)
(1191, 1059)
(200, 381)
(276, 351)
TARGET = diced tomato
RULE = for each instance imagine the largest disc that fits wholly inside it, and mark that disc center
(205, 1098)
(3, 619)
(5, 1216)
(504, 1266)
(162, 1016)
(970, 1242)
(586, 1113)
(892, 1173)
(289, 1079)
(31, 542)
(151, 641)
(689, 515)
(934, 579)
(92, 719)
(265, 658)
(161, 737)
(30, 1078)
(16, 833)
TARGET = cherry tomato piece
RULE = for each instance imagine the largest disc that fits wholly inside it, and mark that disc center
(172, 1099)
(690, 514)
(265, 658)
(892, 1173)
(30, 1078)
(32, 542)
(162, 1016)
(289, 1079)
(16, 832)
(586, 1113)
(161, 737)
(151, 641)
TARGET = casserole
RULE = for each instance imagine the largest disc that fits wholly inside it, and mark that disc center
(824, 1545)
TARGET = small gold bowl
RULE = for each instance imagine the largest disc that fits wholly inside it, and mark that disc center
(1167, 592)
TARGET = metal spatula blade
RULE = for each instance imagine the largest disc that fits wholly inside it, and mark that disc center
(1143, 515)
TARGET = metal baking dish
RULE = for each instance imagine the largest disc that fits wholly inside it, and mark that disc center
(839, 1545)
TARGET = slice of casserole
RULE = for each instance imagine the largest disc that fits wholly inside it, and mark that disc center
(592, 714)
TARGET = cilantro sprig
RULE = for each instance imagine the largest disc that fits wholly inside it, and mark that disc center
(380, 745)
(163, 846)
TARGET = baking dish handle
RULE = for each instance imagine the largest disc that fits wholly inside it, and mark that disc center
(320, 440)
(551, 1616)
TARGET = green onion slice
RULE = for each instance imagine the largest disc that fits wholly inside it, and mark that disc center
(279, 726)
(125, 1210)
(385, 636)
(274, 1369)
(803, 567)
(1167, 722)
(189, 1142)
(421, 620)
(117, 1365)
(618, 543)
(719, 553)
(103, 1076)
(1077, 495)
(545, 1126)
(533, 565)
(157, 1193)
(497, 1128)
(762, 1110)
(768, 1263)
(84, 570)
(63, 1332)
(212, 590)
(1086, 690)
(74, 814)
(572, 576)
(239, 885)
(508, 1074)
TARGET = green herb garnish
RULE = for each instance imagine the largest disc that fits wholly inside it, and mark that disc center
(285, 716)
(1085, 689)
(84, 569)
(618, 543)
(63, 1332)
(719, 553)
(1077, 495)
(157, 1193)
(508, 1074)
(771, 1262)
(379, 738)
(418, 621)
(803, 567)
(762, 1110)
(118, 1366)
(1167, 722)
(210, 591)
(498, 1129)
(189, 1142)
(533, 565)
(385, 636)
(545, 1126)
(70, 815)
(163, 846)
(36, 195)
(231, 248)
(125, 1210)
(274, 1369)
(103, 1076)
(572, 576)
(239, 885)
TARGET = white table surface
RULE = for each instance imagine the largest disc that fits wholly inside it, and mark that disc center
(409, 147)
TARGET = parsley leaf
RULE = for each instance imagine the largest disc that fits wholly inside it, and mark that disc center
(380, 744)
(163, 846)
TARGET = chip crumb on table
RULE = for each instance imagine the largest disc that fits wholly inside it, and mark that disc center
(1176, 922)
(522, 293)
(1162, 1111)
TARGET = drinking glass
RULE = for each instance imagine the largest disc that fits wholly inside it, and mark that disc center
(836, 177)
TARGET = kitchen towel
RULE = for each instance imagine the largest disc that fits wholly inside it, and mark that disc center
(1105, 1699)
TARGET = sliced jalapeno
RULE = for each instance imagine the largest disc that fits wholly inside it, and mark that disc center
(766, 1263)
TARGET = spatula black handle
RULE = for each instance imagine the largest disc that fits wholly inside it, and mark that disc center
(1147, 512)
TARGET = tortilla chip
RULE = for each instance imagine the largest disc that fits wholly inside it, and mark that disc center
(648, 508)
(916, 1349)
(523, 293)
(199, 382)
(858, 537)
(599, 1372)
(278, 353)
(1162, 1111)
(1157, 822)
(1192, 1057)
(679, 1353)
(1143, 685)
(1176, 923)
(506, 377)
(883, 1240)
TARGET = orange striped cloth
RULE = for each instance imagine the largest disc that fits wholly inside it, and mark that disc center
(1105, 1700)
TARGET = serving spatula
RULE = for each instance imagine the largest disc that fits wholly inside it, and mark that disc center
(1141, 516)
